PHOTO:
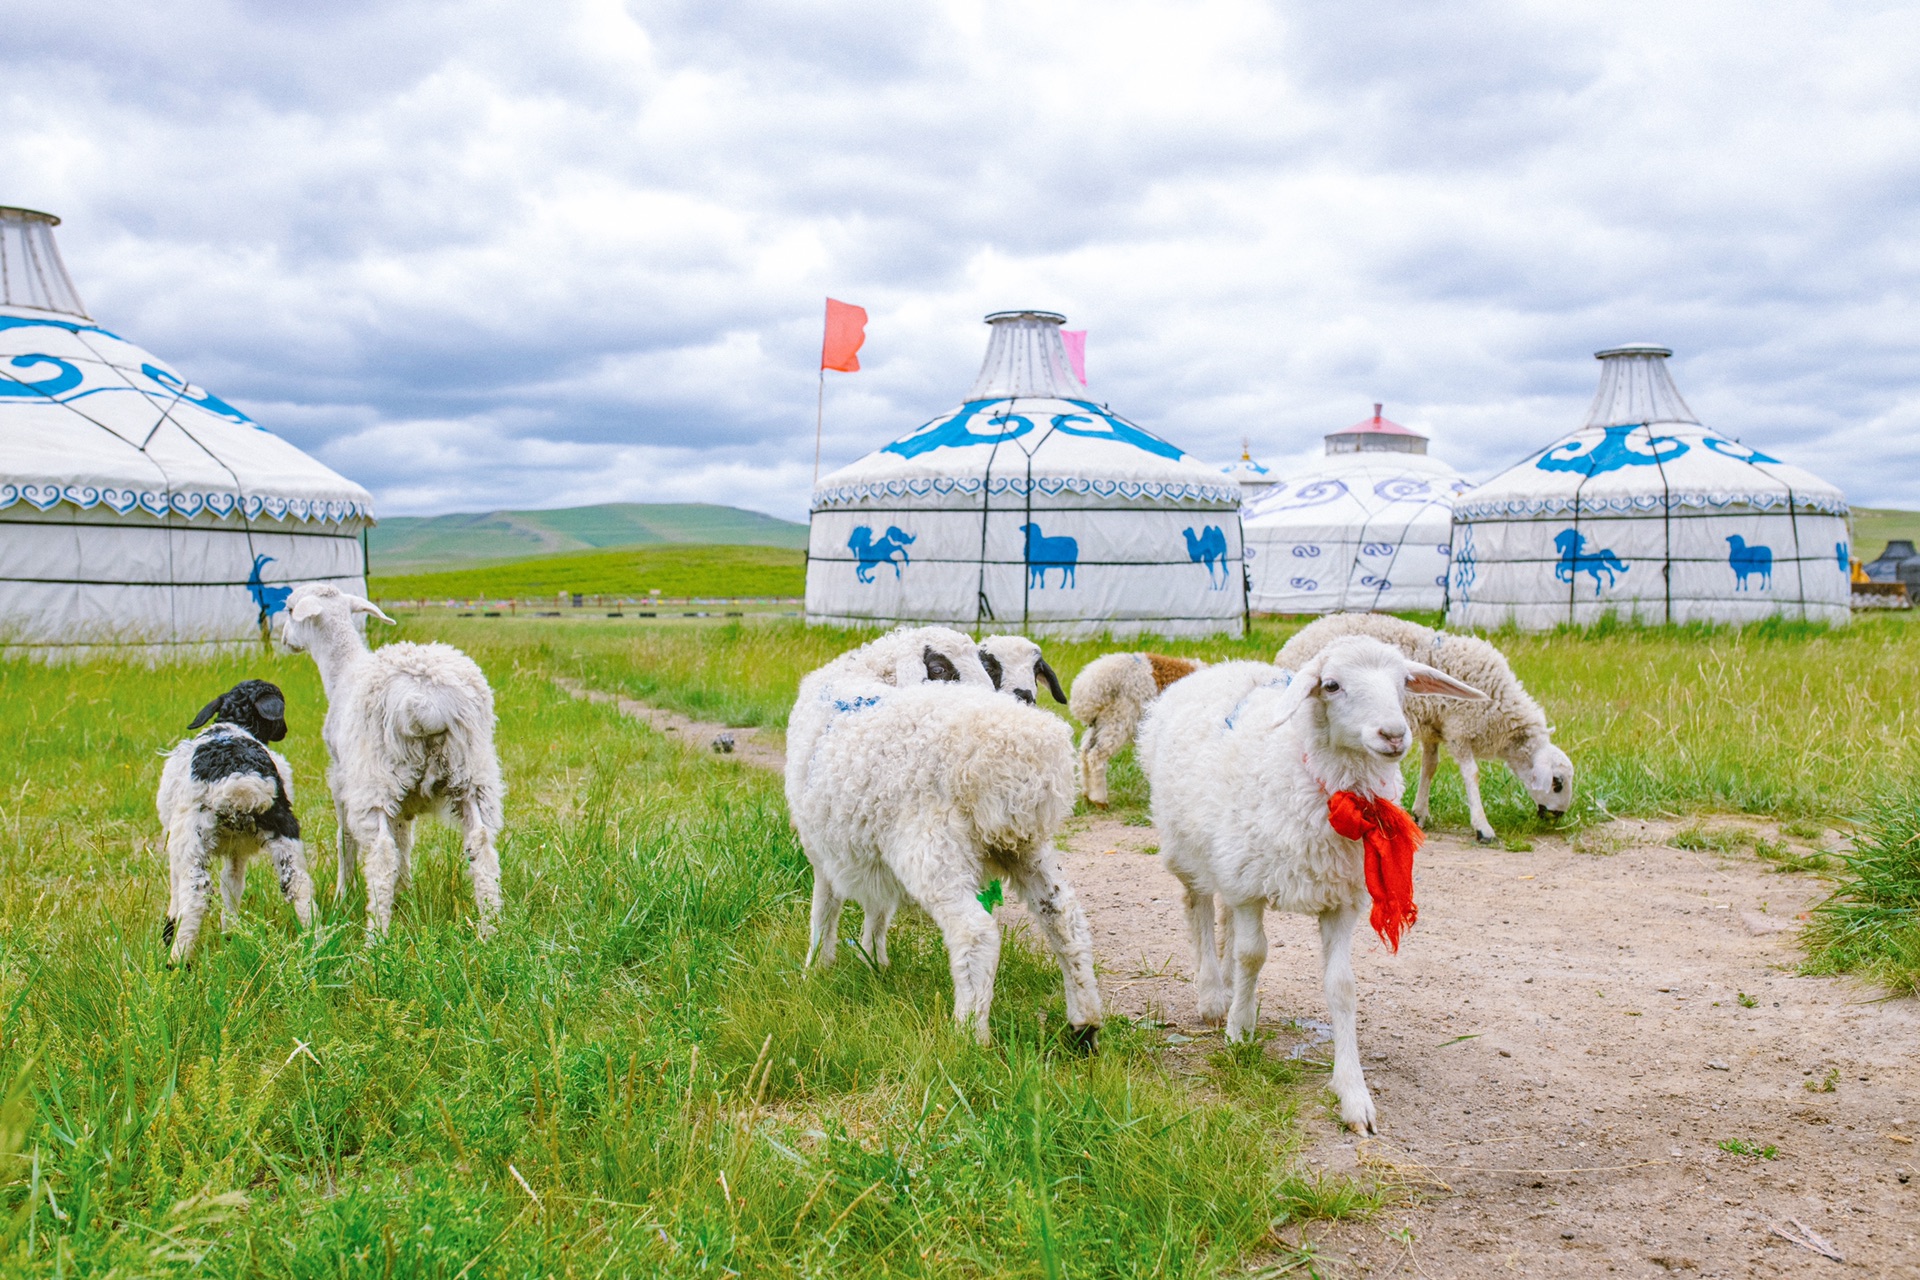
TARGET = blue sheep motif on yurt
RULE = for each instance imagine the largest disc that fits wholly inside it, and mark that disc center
(1210, 549)
(872, 554)
(1044, 553)
(1746, 561)
(1575, 559)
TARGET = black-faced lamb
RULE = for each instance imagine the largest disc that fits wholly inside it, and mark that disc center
(409, 730)
(1109, 696)
(225, 796)
(1277, 791)
(910, 779)
(1509, 726)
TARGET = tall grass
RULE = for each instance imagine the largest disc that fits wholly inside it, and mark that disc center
(633, 1078)
(1871, 923)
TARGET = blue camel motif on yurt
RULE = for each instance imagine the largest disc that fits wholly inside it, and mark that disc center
(874, 554)
(1747, 561)
(1575, 559)
(1117, 429)
(955, 434)
(1044, 553)
(1210, 549)
(1610, 454)
(270, 600)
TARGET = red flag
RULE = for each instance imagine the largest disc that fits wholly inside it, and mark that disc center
(846, 330)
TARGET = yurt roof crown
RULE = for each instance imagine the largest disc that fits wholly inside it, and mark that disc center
(1376, 435)
(31, 273)
(1635, 388)
(1026, 357)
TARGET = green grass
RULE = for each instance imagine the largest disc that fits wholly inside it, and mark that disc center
(1871, 923)
(1741, 1147)
(1874, 527)
(421, 543)
(633, 1078)
(677, 571)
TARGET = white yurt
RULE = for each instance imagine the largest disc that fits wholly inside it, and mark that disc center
(136, 508)
(1030, 507)
(1646, 514)
(1253, 478)
(1364, 528)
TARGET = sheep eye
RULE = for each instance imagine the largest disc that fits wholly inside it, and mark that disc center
(1330, 686)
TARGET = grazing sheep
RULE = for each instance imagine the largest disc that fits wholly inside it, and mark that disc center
(1110, 695)
(223, 794)
(1509, 727)
(1015, 664)
(1272, 790)
(920, 786)
(409, 730)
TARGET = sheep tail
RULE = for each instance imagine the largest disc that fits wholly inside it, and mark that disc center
(239, 794)
(1390, 839)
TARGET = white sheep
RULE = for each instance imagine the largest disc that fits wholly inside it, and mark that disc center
(1509, 726)
(1017, 667)
(226, 795)
(909, 779)
(409, 730)
(1247, 765)
(1109, 696)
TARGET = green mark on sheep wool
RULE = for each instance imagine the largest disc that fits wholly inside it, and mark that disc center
(991, 897)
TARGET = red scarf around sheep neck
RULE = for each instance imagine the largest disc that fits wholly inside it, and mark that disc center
(1390, 839)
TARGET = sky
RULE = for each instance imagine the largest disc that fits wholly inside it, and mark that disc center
(485, 255)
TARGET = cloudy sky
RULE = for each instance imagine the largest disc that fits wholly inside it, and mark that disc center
(483, 255)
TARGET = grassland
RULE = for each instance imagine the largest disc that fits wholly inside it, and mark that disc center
(675, 571)
(1874, 527)
(424, 543)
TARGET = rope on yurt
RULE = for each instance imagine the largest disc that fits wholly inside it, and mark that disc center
(1793, 522)
(1666, 521)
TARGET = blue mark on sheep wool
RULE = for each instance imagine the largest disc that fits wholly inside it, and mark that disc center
(64, 378)
(1117, 429)
(1575, 559)
(855, 704)
(1734, 449)
(1210, 549)
(270, 600)
(1611, 453)
(1747, 561)
(1044, 553)
(872, 554)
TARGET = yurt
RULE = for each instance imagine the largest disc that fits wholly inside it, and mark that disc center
(1253, 478)
(1366, 527)
(1029, 507)
(1645, 514)
(136, 508)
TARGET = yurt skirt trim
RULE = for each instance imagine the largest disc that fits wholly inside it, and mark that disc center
(1570, 504)
(1019, 486)
(127, 501)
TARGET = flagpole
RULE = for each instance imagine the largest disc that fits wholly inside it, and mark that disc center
(819, 415)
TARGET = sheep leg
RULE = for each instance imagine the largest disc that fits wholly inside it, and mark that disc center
(403, 842)
(1249, 957)
(188, 859)
(290, 864)
(346, 852)
(483, 864)
(973, 952)
(827, 906)
(1336, 959)
(1093, 765)
(233, 887)
(1470, 776)
(1051, 902)
(382, 871)
(873, 934)
(1423, 793)
(1209, 982)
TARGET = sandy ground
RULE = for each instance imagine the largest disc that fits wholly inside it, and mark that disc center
(1558, 1053)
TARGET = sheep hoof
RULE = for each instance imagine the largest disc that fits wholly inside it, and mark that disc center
(1084, 1040)
(1486, 837)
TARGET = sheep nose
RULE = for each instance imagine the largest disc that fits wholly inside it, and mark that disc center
(1395, 739)
(1025, 695)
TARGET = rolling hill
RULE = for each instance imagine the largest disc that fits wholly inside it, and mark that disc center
(674, 571)
(411, 544)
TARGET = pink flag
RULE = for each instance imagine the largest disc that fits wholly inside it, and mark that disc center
(846, 331)
(1076, 340)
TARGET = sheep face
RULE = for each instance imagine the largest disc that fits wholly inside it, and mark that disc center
(945, 657)
(1358, 688)
(1547, 774)
(255, 705)
(311, 604)
(1016, 666)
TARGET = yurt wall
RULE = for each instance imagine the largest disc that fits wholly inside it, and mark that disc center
(1645, 514)
(1029, 507)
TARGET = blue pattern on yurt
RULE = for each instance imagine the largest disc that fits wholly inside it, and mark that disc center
(1575, 559)
(871, 554)
(1044, 553)
(1210, 549)
(1747, 561)
(1610, 454)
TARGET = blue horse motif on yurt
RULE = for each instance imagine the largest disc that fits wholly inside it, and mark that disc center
(871, 553)
(1575, 559)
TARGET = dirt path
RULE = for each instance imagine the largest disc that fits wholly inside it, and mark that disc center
(1557, 1054)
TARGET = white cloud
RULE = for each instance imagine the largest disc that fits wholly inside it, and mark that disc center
(482, 254)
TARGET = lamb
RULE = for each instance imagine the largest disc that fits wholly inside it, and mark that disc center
(225, 795)
(409, 730)
(1110, 695)
(1275, 790)
(1017, 667)
(1510, 727)
(922, 783)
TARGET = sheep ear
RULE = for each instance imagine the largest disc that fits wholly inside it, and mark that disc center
(1422, 678)
(356, 605)
(1045, 672)
(271, 705)
(307, 608)
(206, 713)
(1302, 685)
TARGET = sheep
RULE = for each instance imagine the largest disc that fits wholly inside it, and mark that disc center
(1263, 785)
(409, 730)
(920, 785)
(224, 794)
(1511, 727)
(1109, 696)
(1017, 667)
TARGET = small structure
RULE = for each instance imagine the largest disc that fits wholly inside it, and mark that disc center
(1645, 514)
(1252, 478)
(1029, 507)
(1365, 528)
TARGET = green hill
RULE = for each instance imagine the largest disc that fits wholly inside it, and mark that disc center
(421, 543)
(681, 571)
(1874, 527)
